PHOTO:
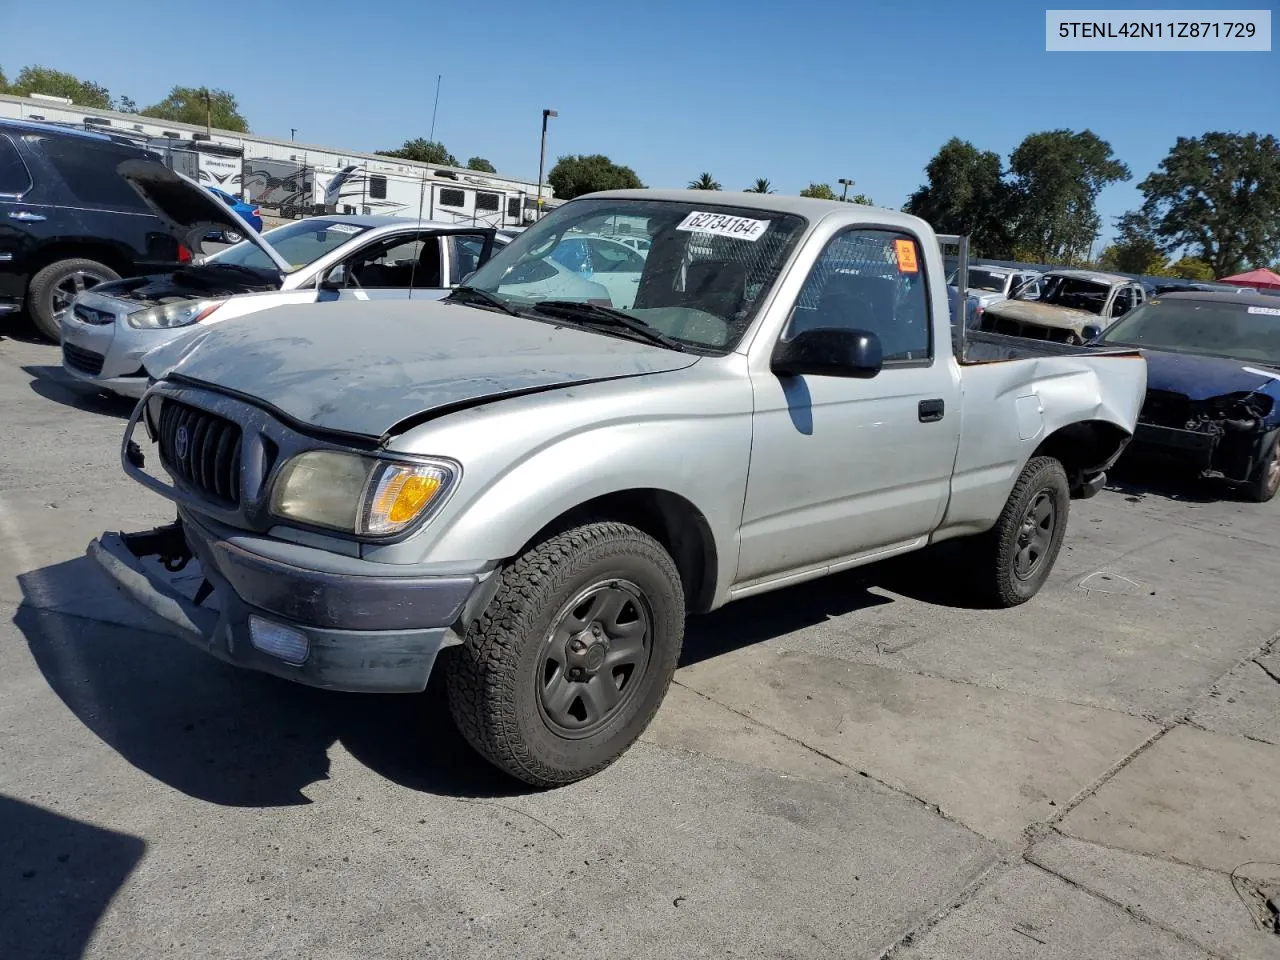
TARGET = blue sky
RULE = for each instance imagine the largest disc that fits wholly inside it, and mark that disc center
(796, 92)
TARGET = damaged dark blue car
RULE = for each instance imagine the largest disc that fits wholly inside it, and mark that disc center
(1213, 385)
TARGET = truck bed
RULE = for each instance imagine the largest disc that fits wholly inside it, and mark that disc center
(981, 346)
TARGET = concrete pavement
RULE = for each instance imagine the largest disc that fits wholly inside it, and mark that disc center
(852, 768)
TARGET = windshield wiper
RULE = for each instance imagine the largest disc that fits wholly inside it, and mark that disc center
(477, 296)
(586, 312)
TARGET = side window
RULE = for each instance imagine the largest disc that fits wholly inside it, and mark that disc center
(397, 263)
(1124, 302)
(869, 280)
(89, 171)
(465, 251)
(14, 176)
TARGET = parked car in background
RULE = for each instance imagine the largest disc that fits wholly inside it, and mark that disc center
(1068, 306)
(1213, 385)
(991, 284)
(548, 486)
(640, 245)
(247, 212)
(69, 221)
(604, 260)
(316, 260)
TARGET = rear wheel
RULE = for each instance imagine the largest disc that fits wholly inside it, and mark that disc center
(568, 664)
(53, 288)
(231, 236)
(1018, 553)
(1265, 482)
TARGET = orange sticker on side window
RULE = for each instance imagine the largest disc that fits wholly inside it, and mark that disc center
(906, 253)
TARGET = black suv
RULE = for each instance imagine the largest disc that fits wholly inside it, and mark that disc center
(69, 221)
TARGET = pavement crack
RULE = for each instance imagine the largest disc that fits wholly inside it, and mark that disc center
(1267, 670)
(511, 809)
(1131, 909)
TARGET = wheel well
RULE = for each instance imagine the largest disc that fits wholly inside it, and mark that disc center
(104, 253)
(1084, 449)
(667, 517)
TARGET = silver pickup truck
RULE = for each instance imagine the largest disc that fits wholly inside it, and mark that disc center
(537, 491)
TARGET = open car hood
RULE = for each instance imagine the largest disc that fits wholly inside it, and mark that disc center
(411, 360)
(1044, 314)
(188, 210)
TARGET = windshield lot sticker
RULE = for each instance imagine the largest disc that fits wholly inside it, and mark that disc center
(342, 228)
(905, 250)
(1266, 311)
(723, 225)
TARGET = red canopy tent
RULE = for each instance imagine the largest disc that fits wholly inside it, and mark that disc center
(1262, 278)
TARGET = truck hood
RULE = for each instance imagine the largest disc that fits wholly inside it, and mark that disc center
(188, 210)
(1203, 378)
(1044, 315)
(363, 367)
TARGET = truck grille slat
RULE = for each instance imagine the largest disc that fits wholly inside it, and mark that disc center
(202, 450)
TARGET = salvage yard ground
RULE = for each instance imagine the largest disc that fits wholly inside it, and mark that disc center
(849, 767)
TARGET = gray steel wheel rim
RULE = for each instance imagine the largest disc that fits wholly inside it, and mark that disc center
(1035, 535)
(71, 286)
(611, 622)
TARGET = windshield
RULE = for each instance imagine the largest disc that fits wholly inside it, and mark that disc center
(299, 243)
(1202, 327)
(699, 280)
(987, 280)
(1072, 292)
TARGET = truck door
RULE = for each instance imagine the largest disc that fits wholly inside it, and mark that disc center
(845, 468)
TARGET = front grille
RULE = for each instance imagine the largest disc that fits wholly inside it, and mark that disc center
(1027, 331)
(202, 450)
(90, 315)
(84, 360)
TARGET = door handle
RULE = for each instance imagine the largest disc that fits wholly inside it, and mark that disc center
(931, 410)
(26, 215)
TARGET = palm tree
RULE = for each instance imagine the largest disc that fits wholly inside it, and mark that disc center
(705, 182)
(762, 186)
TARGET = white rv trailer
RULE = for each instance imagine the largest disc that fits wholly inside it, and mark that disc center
(295, 179)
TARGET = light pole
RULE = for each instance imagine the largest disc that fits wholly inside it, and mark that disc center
(847, 184)
(542, 156)
(292, 133)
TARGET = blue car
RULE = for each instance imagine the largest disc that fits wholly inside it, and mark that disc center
(247, 211)
(1213, 384)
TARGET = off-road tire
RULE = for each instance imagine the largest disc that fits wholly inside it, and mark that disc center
(40, 291)
(1262, 486)
(492, 679)
(998, 548)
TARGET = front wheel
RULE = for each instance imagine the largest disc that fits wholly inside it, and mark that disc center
(231, 236)
(570, 661)
(1265, 481)
(1018, 553)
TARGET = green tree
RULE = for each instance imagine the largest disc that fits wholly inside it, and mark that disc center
(1057, 176)
(1218, 196)
(481, 164)
(863, 199)
(1192, 268)
(4, 83)
(198, 106)
(705, 182)
(966, 194)
(126, 105)
(572, 176)
(422, 150)
(761, 186)
(1135, 249)
(56, 83)
(819, 191)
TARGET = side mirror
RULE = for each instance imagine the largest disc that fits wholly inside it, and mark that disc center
(335, 279)
(1090, 332)
(828, 352)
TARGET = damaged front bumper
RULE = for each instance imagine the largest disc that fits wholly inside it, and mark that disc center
(1225, 438)
(323, 628)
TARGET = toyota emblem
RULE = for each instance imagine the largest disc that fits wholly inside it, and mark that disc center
(180, 441)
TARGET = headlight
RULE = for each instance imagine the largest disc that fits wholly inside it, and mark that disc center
(170, 315)
(361, 495)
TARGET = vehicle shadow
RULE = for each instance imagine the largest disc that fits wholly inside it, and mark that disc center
(1137, 478)
(54, 384)
(934, 576)
(237, 738)
(59, 876)
(226, 735)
